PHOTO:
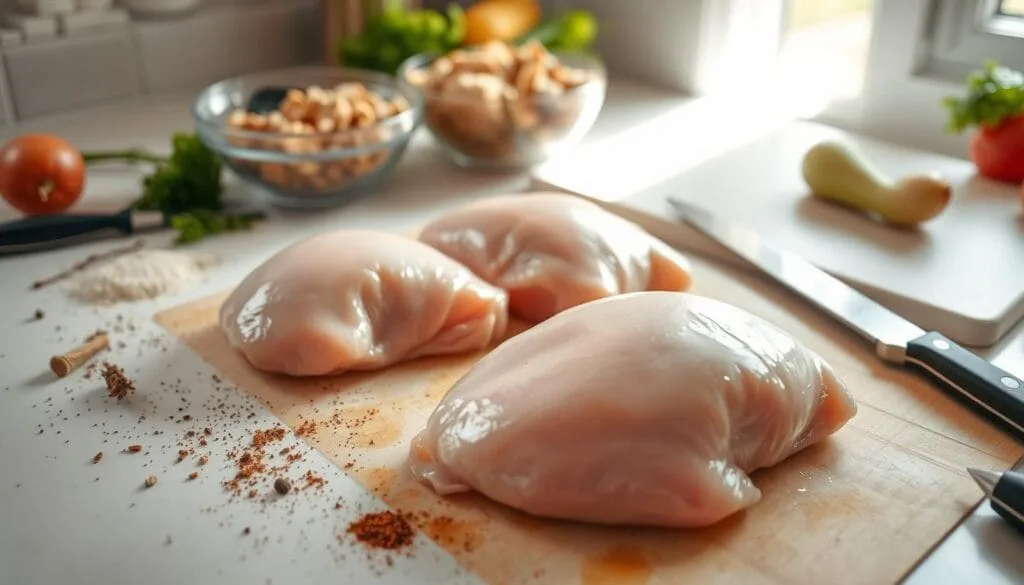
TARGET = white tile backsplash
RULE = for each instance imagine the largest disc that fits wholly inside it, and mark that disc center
(185, 53)
(85, 64)
(49, 77)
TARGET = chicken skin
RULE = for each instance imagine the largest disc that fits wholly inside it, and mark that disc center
(359, 300)
(552, 251)
(647, 408)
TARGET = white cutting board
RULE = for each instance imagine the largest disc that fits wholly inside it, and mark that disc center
(961, 274)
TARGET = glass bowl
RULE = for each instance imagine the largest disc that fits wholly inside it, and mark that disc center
(306, 167)
(499, 130)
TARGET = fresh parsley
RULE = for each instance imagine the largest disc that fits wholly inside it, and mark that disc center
(994, 94)
(186, 187)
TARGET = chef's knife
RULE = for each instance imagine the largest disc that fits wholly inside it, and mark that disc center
(44, 232)
(993, 392)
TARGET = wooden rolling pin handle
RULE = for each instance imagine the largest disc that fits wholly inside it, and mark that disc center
(64, 364)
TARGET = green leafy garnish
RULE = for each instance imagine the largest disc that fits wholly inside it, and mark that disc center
(186, 187)
(994, 94)
(570, 31)
(189, 180)
(395, 34)
(199, 223)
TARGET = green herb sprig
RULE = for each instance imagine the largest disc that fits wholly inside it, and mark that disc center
(186, 187)
(993, 94)
(395, 34)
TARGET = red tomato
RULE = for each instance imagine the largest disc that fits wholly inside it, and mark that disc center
(41, 174)
(999, 152)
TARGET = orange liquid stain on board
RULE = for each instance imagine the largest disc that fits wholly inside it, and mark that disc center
(368, 427)
(378, 480)
(454, 534)
(438, 384)
(616, 566)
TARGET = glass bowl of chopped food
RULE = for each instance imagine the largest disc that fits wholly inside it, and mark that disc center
(501, 106)
(309, 137)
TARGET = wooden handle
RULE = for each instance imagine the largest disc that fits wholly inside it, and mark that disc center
(64, 364)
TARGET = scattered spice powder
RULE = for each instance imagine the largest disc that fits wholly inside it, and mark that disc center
(313, 480)
(250, 462)
(117, 383)
(263, 438)
(306, 429)
(388, 530)
(97, 457)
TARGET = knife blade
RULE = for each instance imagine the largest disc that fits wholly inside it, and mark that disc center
(993, 392)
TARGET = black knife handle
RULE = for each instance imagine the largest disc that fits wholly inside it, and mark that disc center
(41, 230)
(994, 392)
(1008, 498)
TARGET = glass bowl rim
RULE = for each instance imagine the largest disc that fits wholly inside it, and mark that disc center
(410, 116)
(592, 65)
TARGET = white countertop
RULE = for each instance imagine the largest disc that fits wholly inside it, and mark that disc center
(66, 520)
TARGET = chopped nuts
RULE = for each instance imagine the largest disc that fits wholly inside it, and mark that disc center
(495, 101)
(319, 119)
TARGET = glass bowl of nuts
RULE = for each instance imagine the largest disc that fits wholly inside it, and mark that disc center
(506, 107)
(309, 137)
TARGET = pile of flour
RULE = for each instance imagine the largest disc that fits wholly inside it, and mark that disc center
(138, 275)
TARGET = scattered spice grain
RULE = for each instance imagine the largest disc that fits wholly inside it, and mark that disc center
(39, 314)
(118, 384)
(203, 459)
(314, 480)
(387, 530)
(134, 448)
(193, 475)
(97, 457)
(150, 481)
(282, 485)
(306, 429)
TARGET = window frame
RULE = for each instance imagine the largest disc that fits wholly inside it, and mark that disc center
(906, 80)
(968, 32)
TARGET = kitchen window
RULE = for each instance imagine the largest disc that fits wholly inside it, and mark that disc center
(969, 32)
(881, 67)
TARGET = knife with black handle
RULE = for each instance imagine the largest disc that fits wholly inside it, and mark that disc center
(993, 392)
(44, 232)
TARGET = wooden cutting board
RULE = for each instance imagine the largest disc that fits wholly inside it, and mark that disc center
(860, 508)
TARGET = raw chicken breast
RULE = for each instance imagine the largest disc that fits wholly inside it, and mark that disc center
(359, 300)
(646, 409)
(552, 251)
